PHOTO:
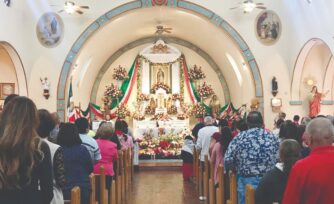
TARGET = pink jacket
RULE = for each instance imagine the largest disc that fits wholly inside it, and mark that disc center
(217, 158)
(108, 151)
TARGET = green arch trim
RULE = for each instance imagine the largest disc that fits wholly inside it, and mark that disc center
(137, 4)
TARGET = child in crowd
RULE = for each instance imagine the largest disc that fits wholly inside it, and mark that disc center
(187, 157)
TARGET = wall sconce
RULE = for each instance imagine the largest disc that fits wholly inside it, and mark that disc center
(46, 87)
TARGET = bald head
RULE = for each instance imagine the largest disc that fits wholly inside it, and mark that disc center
(321, 132)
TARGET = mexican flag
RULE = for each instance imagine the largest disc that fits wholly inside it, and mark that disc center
(75, 114)
(96, 110)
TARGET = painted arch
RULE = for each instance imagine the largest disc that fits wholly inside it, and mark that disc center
(184, 5)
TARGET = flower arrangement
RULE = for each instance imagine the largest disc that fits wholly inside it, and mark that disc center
(161, 117)
(177, 96)
(196, 73)
(198, 110)
(143, 97)
(149, 110)
(161, 85)
(182, 116)
(112, 91)
(163, 147)
(120, 73)
(172, 110)
(122, 111)
(138, 116)
(205, 90)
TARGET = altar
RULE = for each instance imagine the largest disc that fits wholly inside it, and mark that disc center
(159, 95)
(158, 128)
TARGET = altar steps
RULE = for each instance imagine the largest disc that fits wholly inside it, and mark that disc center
(160, 164)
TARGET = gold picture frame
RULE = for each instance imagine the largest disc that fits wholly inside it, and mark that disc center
(6, 89)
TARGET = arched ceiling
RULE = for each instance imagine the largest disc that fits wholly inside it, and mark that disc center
(188, 26)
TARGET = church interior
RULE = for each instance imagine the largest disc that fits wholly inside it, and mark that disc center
(160, 68)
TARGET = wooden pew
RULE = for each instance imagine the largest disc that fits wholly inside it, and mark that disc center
(249, 195)
(195, 166)
(103, 191)
(118, 179)
(75, 196)
(92, 194)
(112, 199)
(233, 188)
(212, 189)
(200, 179)
(220, 193)
(206, 176)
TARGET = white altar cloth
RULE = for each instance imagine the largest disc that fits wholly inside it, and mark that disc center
(150, 127)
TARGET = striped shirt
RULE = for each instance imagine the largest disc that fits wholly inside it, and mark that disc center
(91, 146)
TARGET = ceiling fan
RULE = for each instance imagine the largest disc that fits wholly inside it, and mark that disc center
(161, 29)
(248, 6)
(70, 7)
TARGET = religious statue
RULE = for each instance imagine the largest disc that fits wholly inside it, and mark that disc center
(160, 76)
(46, 87)
(214, 104)
(315, 101)
(274, 86)
(161, 100)
(152, 104)
(169, 102)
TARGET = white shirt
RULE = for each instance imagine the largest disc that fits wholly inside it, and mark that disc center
(91, 146)
(204, 139)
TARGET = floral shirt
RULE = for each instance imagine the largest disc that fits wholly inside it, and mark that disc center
(252, 152)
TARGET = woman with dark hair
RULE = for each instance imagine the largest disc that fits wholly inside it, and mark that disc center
(25, 161)
(46, 125)
(121, 132)
(187, 157)
(272, 185)
(305, 149)
(108, 151)
(288, 130)
(241, 125)
(77, 162)
(218, 152)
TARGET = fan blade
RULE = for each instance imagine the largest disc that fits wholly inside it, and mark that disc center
(261, 7)
(168, 28)
(79, 12)
(84, 7)
(167, 31)
(259, 4)
(60, 11)
(54, 5)
(235, 7)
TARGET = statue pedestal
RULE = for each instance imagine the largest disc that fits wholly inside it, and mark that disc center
(160, 110)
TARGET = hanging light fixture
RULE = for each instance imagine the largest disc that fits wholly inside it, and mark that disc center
(249, 6)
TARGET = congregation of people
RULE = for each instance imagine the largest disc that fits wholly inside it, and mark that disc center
(42, 159)
(291, 164)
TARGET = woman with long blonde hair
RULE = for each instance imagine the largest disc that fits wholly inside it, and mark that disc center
(25, 162)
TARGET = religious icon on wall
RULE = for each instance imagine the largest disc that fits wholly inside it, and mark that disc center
(6, 90)
(268, 27)
(160, 73)
(50, 29)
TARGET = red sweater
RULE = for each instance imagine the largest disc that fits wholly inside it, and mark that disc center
(311, 180)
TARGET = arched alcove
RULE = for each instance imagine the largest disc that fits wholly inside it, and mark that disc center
(314, 67)
(12, 70)
(116, 28)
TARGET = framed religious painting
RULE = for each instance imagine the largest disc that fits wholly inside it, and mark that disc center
(268, 27)
(160, 74)
(50, 29)
(6, 90)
